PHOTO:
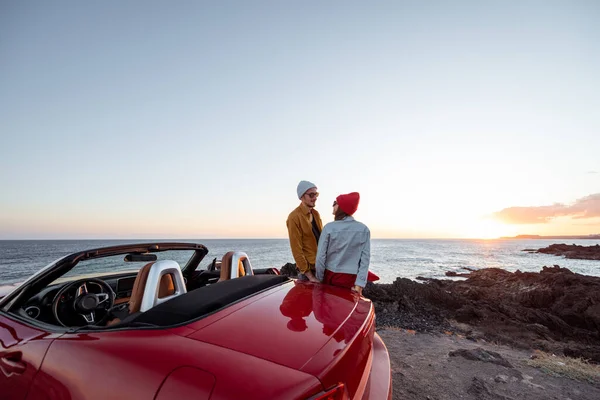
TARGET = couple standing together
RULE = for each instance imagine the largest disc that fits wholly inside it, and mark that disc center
(337, 254)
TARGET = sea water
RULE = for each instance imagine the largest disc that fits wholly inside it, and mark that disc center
(390, 258)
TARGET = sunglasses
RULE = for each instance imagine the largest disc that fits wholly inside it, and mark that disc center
(334, 204)
(313, 195)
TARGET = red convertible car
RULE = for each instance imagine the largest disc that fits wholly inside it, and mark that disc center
(143, 321)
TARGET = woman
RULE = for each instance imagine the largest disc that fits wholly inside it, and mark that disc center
(344, 249)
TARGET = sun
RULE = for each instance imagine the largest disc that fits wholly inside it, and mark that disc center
(488, 229)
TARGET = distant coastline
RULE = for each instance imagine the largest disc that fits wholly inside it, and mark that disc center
(594, 236)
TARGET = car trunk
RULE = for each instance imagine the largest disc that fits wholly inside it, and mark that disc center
(321, 330)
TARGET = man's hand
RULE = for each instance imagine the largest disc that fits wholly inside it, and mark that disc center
(311, 277)
(358, 289)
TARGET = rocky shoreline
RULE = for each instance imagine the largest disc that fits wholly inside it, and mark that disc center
(572, 251)
(555, 310)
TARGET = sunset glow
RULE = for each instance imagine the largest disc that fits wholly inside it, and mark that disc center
(488, 229)
(452, 121)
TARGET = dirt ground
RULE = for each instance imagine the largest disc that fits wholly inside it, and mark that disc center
(437, 366)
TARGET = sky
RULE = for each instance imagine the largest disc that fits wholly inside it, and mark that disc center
(197, 119)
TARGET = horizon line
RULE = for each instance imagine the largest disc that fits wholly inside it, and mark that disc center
(583, 237)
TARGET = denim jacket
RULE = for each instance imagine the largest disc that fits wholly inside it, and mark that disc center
(345, 246)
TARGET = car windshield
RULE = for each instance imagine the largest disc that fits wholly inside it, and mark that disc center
(104, 266)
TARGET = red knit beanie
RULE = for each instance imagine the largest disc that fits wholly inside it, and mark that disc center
(348, 202)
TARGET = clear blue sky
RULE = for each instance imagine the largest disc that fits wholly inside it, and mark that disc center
(194, 119)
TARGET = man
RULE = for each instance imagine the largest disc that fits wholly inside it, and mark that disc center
(304, 228)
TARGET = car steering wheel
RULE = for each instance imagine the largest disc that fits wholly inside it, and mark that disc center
(84, 304)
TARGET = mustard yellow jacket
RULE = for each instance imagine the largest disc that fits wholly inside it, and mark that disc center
(302, 240)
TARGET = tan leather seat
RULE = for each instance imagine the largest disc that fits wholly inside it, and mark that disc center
(226, 267)
(166, 288)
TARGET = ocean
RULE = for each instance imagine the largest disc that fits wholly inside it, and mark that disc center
(390, 258)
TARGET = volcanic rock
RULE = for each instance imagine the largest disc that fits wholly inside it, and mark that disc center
(289, 269)
(573, 251)
(480, 354)
(554, 310)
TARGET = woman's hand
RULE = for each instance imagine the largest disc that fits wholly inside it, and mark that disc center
(357, 289)
(311, 277)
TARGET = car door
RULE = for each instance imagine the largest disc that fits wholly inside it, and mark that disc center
(22, 350)
(120, 364)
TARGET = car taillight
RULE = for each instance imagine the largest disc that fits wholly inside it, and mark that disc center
(336, 393)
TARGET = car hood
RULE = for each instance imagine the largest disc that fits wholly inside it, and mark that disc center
(290, 326)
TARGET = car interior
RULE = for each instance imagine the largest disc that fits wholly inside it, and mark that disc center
(107, 289)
